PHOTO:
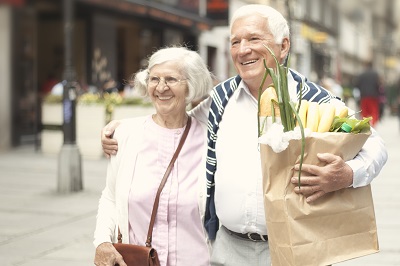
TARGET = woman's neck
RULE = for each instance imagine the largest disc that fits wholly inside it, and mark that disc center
(170, 121)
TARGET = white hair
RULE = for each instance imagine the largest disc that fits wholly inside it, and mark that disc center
(276, 22)
(189, 63)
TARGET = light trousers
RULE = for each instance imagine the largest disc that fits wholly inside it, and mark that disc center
(231, 250)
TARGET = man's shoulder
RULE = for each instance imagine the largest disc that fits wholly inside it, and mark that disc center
(226, 83)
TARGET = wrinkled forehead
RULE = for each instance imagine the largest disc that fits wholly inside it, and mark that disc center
(250, 25)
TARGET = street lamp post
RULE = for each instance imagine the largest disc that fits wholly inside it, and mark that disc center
(69, 161)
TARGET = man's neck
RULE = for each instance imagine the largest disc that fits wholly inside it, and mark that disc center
(254, 87)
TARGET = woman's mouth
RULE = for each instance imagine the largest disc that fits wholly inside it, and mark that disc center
(164, 98)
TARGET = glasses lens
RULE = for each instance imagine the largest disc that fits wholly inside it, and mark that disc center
(171, 81)
(153, 80)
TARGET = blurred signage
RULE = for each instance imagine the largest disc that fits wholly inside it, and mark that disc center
(313, 35)
(391, 62)
(218, 9)
(157, 11)
(13, 2)
(191, 6)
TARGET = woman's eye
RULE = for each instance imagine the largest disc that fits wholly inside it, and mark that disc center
(171, 79)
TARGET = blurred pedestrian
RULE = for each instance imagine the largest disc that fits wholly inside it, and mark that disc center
(369, 84)
(48, 84)
(382, 102)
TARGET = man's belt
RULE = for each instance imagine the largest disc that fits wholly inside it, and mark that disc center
(249, 236)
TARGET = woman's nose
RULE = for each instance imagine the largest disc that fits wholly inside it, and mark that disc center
(162, 86)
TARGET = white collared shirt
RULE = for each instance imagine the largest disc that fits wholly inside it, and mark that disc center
(238, 190)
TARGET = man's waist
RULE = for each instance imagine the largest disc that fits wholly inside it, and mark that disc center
(248, 236)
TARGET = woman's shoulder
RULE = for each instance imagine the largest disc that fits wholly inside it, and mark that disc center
(129, 126)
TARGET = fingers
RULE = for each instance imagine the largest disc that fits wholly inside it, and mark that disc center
(110, 145)
(305, 180)
(315, 196)
(120, 261)
(311, 193)
(106, 255)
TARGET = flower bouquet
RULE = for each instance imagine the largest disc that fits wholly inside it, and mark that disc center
(336, 227)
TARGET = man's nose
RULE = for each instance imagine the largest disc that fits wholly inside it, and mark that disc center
(244, 47)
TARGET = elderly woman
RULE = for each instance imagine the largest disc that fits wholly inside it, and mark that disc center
(175, 77)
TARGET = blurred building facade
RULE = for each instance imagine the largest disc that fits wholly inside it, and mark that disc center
(330, 38)
(111, 40)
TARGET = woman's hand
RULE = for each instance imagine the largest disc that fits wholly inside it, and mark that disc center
(107, 255)
(110, 145)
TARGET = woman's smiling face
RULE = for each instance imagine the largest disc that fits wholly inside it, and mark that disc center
(167, 99)
(249, 34)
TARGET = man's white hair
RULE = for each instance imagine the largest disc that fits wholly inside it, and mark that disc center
(276, 22)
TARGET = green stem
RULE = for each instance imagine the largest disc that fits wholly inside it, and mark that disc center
(259, 97)
(303, 142)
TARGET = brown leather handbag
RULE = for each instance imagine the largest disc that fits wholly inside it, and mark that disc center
(135, 255)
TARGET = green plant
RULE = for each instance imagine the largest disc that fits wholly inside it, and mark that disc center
(288, 113)
(51, 98)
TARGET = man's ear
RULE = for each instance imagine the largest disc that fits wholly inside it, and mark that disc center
(285, 48)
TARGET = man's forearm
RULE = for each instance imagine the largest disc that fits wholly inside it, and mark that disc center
(369, 161)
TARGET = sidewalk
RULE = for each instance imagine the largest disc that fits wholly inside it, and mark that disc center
(40, 227)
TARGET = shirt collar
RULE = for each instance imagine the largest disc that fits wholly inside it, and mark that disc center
(243, 91)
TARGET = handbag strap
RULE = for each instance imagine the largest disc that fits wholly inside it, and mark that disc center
(162, 184)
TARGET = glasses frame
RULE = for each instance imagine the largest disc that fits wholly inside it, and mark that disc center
(163, 79)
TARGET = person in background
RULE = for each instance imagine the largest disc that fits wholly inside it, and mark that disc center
(369, 84)
(49, 83)
(382, 102)
(174, 78)
(235, 217)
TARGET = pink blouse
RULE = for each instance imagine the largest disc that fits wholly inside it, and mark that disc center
(178, 233)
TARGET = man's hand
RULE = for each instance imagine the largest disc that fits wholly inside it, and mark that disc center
(107, 255)
(335, 175)
(110, 145)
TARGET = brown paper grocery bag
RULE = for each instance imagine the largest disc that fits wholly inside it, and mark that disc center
(337, 227)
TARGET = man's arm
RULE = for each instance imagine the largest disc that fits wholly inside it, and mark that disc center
(338, 174)
(200, 112)
(110, 145)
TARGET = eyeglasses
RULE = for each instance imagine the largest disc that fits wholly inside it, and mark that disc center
(153, 81)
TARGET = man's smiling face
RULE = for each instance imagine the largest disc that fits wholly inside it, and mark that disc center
(248, 34)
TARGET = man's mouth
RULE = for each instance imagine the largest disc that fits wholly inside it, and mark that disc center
(249, 62)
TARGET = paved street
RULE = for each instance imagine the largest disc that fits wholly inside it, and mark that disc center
(40, 227)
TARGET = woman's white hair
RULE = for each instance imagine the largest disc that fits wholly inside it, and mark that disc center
(189, 63)
(276, 22)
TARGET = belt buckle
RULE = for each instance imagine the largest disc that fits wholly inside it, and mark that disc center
(249, 236)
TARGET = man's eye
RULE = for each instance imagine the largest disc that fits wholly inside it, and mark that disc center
(154, 79)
